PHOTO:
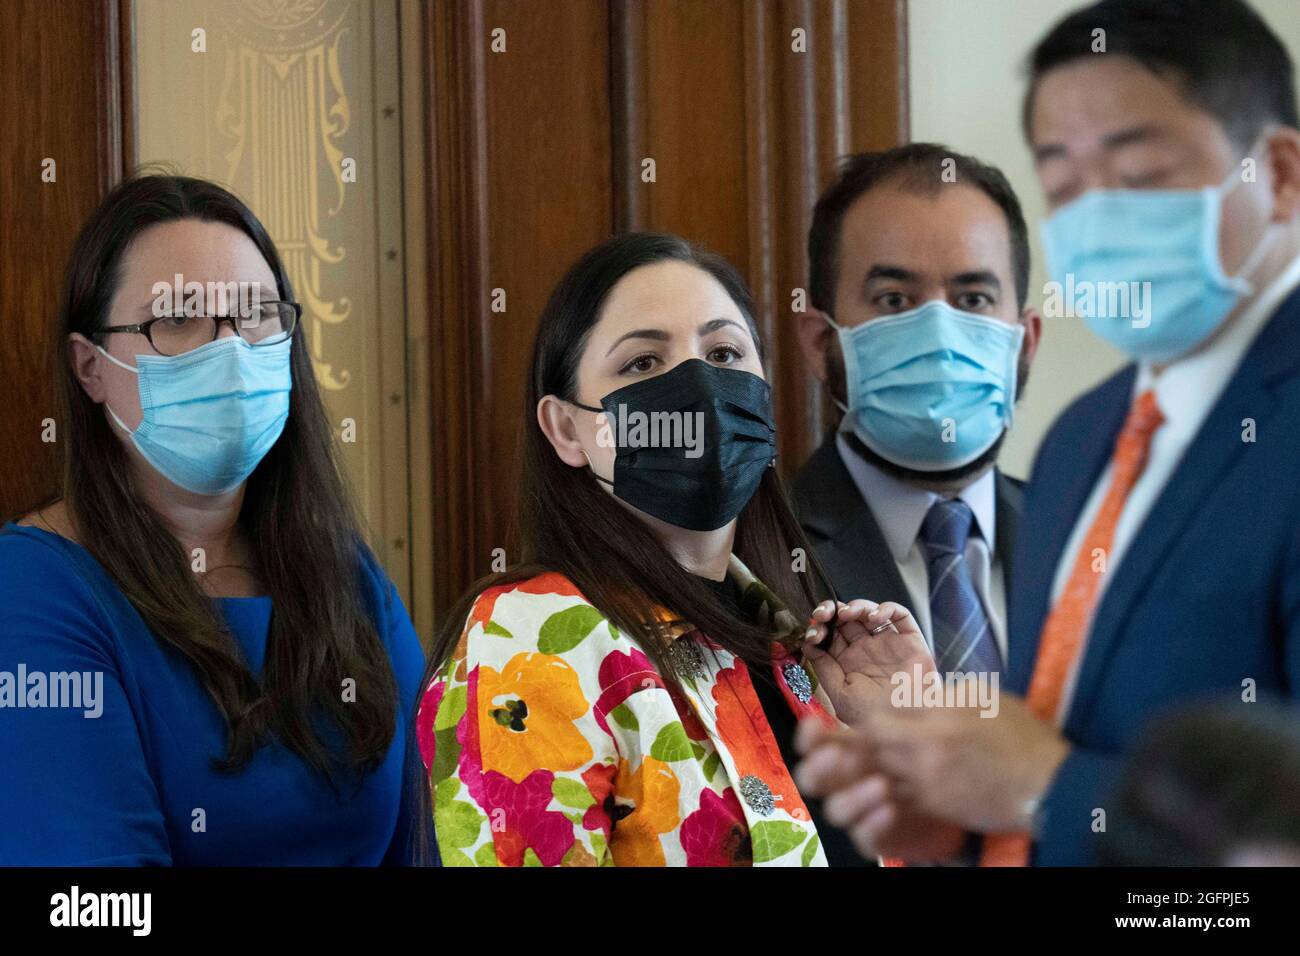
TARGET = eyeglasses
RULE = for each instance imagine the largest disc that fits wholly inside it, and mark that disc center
(268, 323)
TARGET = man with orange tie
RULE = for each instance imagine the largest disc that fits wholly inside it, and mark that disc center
(1159, 557)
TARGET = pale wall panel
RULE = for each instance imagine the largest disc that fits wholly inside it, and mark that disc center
(284, 96)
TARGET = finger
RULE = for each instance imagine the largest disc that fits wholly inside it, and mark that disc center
(828, 670)
(856, 609)
(824, 612)
(810, 733)
(869, 832)
(890, 613)
(815, 634)
(845, 807)
(830, 768)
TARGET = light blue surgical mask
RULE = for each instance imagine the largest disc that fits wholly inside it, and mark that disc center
(1142, 267)
(210, 414)
(931, 389)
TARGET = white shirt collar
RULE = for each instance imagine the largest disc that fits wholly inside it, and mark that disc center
(900, 508)
(1188, 388)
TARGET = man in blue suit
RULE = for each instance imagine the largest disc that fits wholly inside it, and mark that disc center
(1159, 558)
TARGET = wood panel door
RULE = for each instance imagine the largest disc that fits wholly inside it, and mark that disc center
(542, 117)
(61, 149)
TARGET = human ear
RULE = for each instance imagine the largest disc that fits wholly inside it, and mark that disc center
(555, 418)
(84, 357)
(813, 332)
(1032, 320)
(1282, 154)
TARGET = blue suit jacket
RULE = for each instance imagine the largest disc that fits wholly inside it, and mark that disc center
(1206, 597)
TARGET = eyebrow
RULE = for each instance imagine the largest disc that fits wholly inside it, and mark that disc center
(898, 273)
(1134, 134)
(148, 307)
(890, 272)
(1116, 140)
(659, 335)
(887, 271)
(978, 277)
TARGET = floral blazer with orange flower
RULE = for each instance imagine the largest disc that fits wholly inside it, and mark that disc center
(552, 740)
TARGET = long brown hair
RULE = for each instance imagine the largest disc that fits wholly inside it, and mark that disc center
(309, 551)
(568, 523)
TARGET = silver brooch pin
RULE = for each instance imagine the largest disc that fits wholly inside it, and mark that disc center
(686, 658)
(798, 680)
(757, 795)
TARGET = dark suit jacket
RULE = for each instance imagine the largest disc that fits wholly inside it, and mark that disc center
(1206, 597)
(852, 549)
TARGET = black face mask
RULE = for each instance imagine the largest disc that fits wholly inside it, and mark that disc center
(691, 443)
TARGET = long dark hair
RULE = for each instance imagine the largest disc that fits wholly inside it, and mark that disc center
(296, 508)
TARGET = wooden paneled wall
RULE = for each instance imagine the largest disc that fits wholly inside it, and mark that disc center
(535, 154)
(61, 99)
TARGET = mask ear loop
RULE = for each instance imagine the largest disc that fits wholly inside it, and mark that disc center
(116, 361)
(593, 471)
(839, 333)
(590, 468)
(1262, 249)
(1242, 277)
(130, 368)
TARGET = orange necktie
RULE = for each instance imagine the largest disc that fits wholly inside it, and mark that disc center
(1068, 622)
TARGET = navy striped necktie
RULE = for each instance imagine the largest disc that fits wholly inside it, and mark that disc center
(963, 638)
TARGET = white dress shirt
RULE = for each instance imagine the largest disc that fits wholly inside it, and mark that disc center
(1185, 390)
(900, 510)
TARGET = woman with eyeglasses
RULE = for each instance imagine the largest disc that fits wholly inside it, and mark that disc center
(207, 666)
(622, 696)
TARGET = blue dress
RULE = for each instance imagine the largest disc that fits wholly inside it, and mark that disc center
(124, 775)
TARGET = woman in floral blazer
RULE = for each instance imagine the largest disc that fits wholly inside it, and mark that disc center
(610, 701)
